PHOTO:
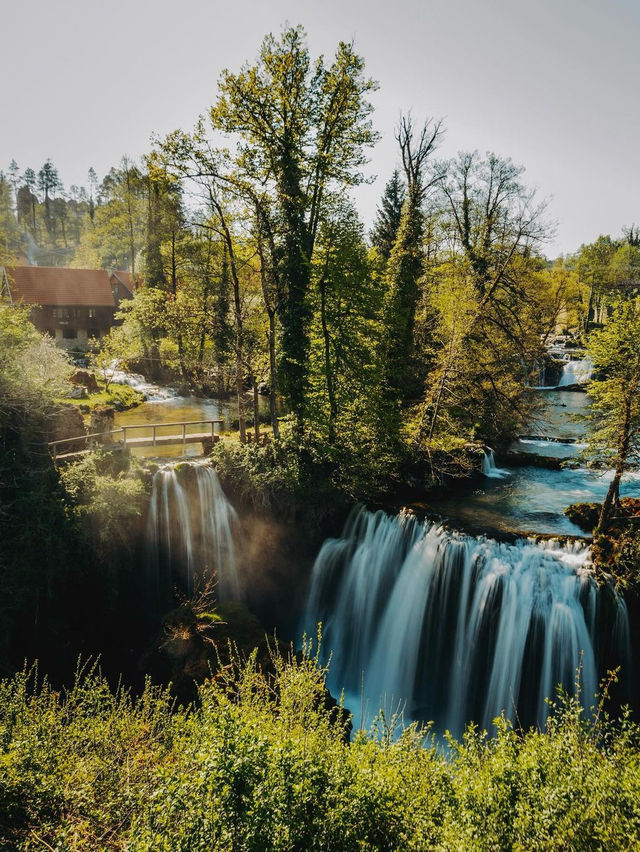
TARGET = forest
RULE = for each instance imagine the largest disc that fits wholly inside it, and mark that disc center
(142, 706)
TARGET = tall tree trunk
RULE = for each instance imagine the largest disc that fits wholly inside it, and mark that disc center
(256, 410)
(242, 426)
(610, 501)
(132, 244)
(613, 494)
(273, 409)
(237, 309)
(328, 372)
(270, 306)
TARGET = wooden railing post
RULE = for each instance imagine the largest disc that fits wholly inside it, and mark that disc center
(154, 434)
(124, 436)
(184, 434)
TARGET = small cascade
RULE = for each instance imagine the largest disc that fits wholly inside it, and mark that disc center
(576, 373)
(190, 533)
(489, 468)
(458, 629)
(153, 393)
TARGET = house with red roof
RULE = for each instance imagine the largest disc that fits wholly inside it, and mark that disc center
(75, 306)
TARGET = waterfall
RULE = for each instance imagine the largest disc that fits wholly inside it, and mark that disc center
(489, 468)
(190, 529)
(455, 628)
(576, 373)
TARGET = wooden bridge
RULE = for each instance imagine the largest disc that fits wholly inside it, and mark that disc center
(127, 440)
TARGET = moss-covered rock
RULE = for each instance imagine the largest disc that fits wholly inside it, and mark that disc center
(584, 515)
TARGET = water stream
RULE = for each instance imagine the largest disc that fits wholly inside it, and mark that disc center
(446, 626)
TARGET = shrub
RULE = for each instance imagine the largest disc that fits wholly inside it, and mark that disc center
(261, 763)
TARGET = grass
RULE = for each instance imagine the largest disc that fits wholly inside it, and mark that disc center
(121, 397)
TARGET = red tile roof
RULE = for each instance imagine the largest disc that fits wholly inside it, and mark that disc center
(124, 278)
(56, 285)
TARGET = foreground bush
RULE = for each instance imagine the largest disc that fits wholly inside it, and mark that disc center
(262, 764)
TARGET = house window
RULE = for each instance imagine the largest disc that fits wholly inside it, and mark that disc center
(69, 333)
(92, 313)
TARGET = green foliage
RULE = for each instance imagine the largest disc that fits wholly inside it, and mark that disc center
(303, 128)
(33, 371)
(105, 489)
(385, 230)
(309, 478)
(615, 404)
(261, 763)
(614, 413)
(116, 233)
(121, 397)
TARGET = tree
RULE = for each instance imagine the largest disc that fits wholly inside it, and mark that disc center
(347, 302)
(10, 238)
(302, 128)
(614, 416)
(389, 214)
(406, 261)
(118, 233)
(29, 178)
(48, 184)
(492, 230)
(14, 179)
(93, 191)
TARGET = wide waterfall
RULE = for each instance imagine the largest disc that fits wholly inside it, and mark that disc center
(457, 629)
(576, 373)
(190, 530)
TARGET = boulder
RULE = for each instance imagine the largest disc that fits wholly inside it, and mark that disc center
(102, 418)
(84, 377)
(78, 392)
(67, 422)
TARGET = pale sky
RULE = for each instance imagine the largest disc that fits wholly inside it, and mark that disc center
(551, 83)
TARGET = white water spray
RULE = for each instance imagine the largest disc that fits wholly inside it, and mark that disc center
(190, 532)
(456, 628)
(576, 373)
(489, 468)
(153, 393)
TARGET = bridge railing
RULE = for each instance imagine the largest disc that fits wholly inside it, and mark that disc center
(95, 437)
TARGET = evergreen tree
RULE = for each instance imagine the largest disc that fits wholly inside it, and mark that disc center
(30, 200)
(385, 230)
(406, 264)
(48, 184)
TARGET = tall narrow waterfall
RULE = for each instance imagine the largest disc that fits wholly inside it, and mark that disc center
(456, 628)
(575, 373)
(190, 532)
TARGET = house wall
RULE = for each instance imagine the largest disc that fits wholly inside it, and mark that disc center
(73, 327)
